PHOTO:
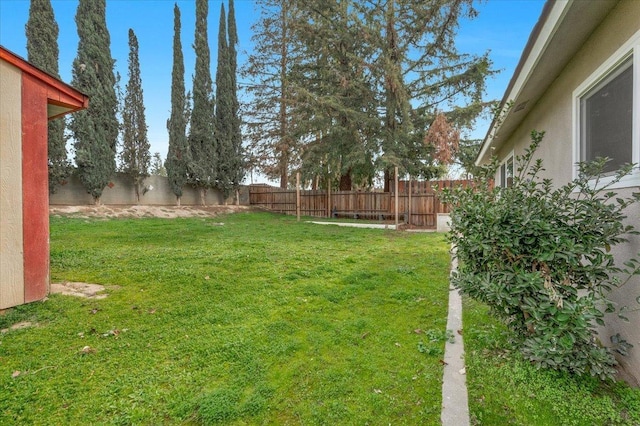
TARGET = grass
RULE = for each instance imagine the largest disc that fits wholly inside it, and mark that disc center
(504, 389)
(263, 320)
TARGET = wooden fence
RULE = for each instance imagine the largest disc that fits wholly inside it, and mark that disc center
(418, 207)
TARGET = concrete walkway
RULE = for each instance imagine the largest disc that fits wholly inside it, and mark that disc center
(455, 403)
(358, 225)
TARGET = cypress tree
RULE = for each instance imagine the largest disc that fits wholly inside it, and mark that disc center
(179, 156)
(202, 172)
(95, 130)
(135, 154)
(43, 52)
(224, 106)
(237, 163)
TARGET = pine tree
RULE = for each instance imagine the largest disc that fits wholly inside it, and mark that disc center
(157, 168)
(338, 93)
(179, 155)
(421, 72)
(202, 130)
(224, 112)
(43, 52)
(237, 159)
(271, 115)
(368, 80)
(95, 130)
(135, 155)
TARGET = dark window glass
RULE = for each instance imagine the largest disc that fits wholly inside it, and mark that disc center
(606, 119)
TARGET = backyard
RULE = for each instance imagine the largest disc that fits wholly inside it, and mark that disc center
(254, 318)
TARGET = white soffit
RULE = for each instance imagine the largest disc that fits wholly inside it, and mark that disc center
(562, 29)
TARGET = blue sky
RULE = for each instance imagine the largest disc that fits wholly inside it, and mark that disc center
(503, 27)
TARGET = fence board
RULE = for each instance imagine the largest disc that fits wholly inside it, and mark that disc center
(423, 211)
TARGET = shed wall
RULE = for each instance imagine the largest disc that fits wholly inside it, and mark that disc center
(35, 194)
(11, 247)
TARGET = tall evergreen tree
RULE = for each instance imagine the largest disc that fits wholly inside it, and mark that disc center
(337, 93)
(202, 172)
(157, 168)
(420, 72)
(271, 116)
(366, 81)
(95, 130)
(43, 52)
(179, 155)
(135, 155)
(237, 160)
(224, 111)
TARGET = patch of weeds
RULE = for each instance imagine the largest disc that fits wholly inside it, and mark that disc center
(406, 270)
(435, 339)
(430, 350)
(220, 405)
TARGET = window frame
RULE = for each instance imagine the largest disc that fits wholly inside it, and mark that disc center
(503, 166)
(630, 49)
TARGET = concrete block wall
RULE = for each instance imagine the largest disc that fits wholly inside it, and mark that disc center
(121, 191)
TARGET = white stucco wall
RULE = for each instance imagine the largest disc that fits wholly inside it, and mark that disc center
(553, 114)
(11, 246)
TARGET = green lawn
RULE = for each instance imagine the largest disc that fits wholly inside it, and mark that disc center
(505, 389)
(262, 320)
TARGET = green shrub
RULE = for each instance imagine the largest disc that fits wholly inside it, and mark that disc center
(539, 256)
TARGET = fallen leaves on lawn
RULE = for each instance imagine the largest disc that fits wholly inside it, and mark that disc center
(87, 350)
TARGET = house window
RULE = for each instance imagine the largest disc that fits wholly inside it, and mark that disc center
(506, 172)
(607, 114)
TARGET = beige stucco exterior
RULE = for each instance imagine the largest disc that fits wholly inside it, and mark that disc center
(11, 248)
(552, 113)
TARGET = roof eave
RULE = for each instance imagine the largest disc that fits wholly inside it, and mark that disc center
(63, 97)
(561, 30)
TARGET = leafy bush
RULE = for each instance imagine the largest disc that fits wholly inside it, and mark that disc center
(539, 256)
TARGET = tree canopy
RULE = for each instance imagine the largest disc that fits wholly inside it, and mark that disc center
(135, 155)
(179, 155)
(95, 130)
(363, 81)
(202, 142)
(43, 52)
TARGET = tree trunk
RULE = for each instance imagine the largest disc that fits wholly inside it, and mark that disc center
(203, 196)
(237, 197)
(178, 200)
(137, 187)
(345, 182)
(387, 180)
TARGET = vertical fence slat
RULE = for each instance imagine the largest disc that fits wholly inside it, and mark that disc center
(417, 202)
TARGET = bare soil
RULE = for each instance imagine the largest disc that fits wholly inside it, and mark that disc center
(136, 211)
(86, 290)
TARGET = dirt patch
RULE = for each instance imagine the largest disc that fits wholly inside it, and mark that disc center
(167, 212)
(88, 291)
(18, 326)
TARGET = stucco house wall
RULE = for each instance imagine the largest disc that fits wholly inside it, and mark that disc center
(553, 113)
